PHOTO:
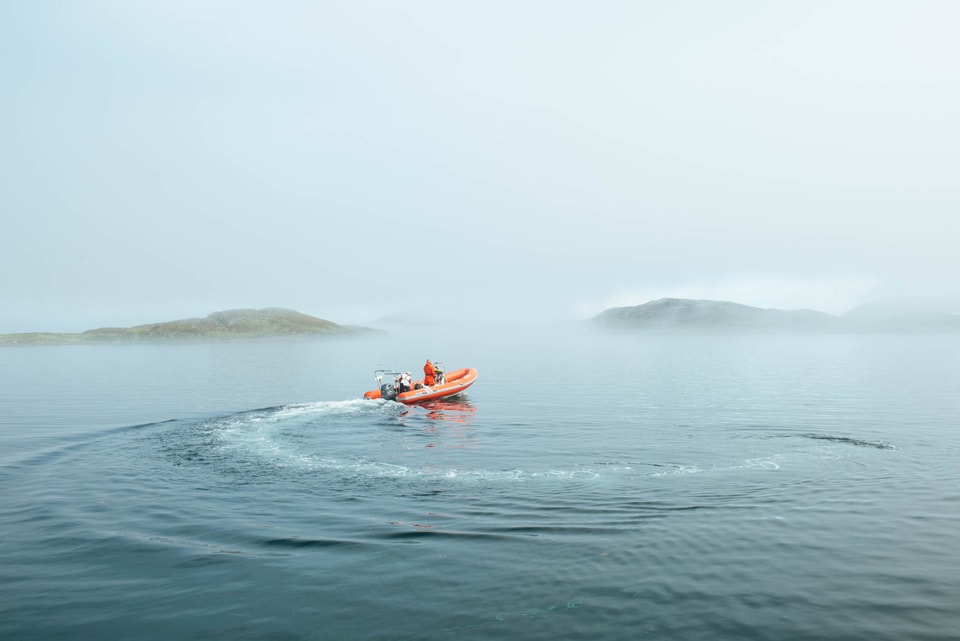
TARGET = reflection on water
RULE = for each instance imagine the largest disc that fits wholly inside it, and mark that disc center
(451, 410)
(448, 422)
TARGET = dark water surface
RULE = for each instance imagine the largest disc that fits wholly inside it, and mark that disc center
(587, 487)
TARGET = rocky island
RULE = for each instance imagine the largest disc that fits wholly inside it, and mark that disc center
(231, 324)
(681, 314)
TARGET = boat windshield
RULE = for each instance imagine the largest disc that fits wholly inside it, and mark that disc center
(387, 375)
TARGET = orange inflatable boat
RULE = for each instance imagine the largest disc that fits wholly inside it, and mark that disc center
(451, 384)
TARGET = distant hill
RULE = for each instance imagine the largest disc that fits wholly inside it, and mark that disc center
(681, 314)
(230, 324)
(899, 317)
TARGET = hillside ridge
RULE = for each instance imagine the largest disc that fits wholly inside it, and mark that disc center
(227, 324)
(684, 314)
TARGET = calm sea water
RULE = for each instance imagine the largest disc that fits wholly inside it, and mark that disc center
(587, 487)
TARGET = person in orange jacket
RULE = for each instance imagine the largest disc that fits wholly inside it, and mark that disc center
(429, 374)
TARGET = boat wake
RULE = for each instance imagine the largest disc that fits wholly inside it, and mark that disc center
(880, 445)
(354, 442)
(359, 442)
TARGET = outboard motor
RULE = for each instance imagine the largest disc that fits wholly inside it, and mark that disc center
(388, 392)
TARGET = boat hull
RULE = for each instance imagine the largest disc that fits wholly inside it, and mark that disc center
(455, 383)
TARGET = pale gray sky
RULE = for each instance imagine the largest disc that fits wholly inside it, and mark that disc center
(509, 159)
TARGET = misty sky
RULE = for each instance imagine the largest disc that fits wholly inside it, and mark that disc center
(496, 159)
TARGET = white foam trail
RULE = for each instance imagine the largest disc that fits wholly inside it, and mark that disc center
(287, 437)
(353, 407)
(761, 463)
